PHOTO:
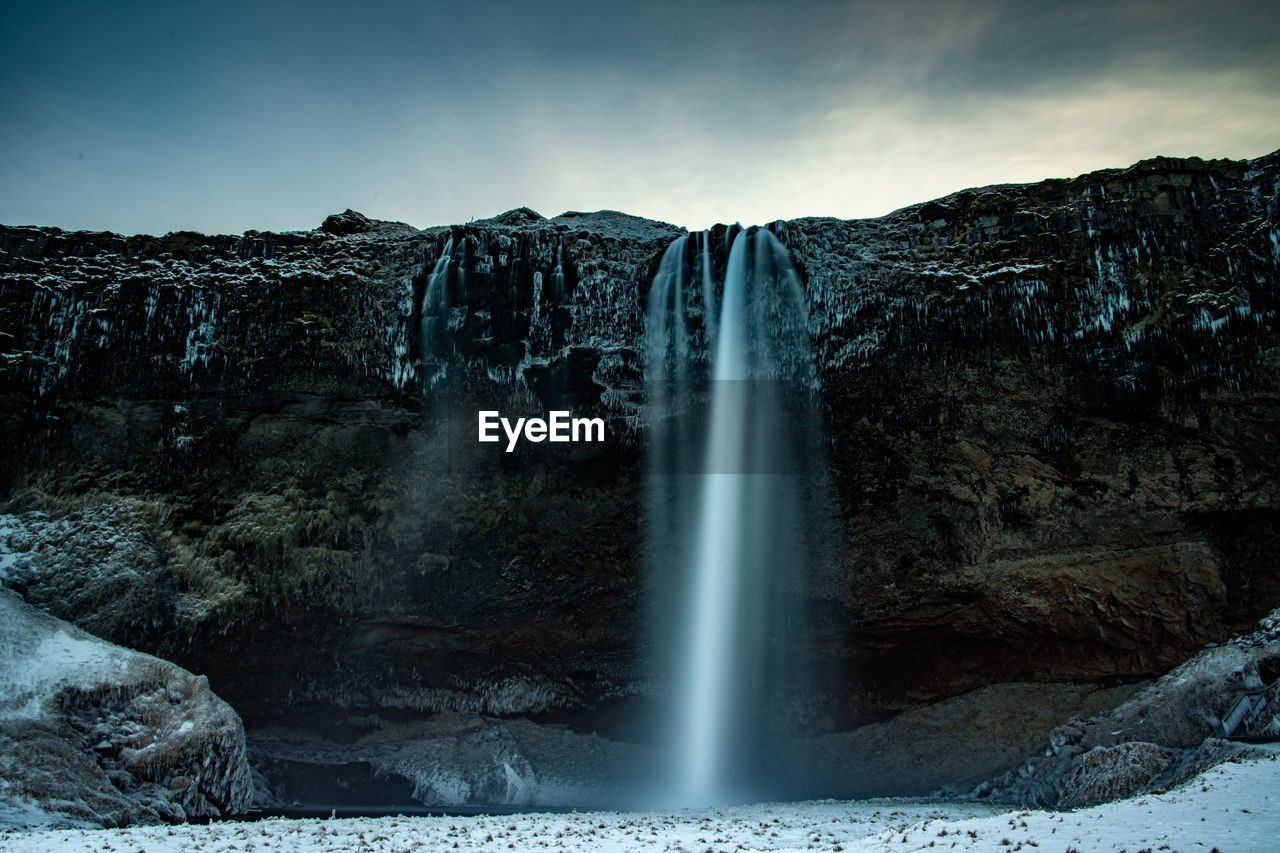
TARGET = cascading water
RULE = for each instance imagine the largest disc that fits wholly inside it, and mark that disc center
(557, 276)
(434, 313)
(435, 298)
(442, 311)
(733, 539)
(708, 290)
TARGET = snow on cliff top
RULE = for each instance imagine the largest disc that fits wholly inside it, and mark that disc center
(606, 223)
(616, 223)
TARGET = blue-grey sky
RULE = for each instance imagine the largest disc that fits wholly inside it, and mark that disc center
(150, 117)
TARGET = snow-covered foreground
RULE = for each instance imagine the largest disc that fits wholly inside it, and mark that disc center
(1233, 808)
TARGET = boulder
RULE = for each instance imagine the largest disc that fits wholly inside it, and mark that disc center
(95, 734)
(1165, 734)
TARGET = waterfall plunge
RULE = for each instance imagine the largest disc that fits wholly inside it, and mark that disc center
(436, 313)
(727, 495)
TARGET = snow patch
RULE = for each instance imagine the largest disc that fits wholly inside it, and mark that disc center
(1233, 807)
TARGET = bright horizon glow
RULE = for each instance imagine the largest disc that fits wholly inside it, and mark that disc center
(145, 118)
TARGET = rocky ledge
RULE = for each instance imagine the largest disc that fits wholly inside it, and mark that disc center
(1162, 736)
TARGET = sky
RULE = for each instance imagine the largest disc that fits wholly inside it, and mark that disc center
(145, 117)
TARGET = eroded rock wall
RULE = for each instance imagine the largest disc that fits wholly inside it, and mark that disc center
(1052, 414)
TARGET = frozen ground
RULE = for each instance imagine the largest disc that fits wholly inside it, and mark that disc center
(1231, 808)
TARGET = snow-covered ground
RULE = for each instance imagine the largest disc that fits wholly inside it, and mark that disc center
(1232, 808)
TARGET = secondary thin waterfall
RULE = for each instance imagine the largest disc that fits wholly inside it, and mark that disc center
(434, 313)
(435, 301)
(732, 537)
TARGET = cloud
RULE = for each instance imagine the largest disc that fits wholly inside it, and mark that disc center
(894, 155)
(141, 117)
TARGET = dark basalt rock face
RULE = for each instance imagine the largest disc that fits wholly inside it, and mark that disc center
(257, 408)
(1052, 414)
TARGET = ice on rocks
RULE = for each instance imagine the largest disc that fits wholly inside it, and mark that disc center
(95, 734)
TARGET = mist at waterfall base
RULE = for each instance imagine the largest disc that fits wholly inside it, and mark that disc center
(735, 491)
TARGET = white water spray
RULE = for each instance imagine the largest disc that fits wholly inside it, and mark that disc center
(742, 562)
(434, 312)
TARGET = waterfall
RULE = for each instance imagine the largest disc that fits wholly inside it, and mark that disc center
(731, 539)
(708, 290)
(434, 315)
(671, 441)
(557, 277)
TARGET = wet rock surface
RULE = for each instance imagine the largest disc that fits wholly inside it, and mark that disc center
(1052, 413)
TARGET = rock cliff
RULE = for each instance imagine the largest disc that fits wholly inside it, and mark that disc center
(1052, 414)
